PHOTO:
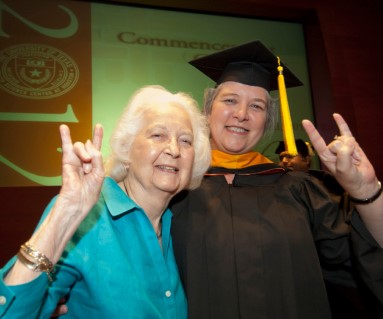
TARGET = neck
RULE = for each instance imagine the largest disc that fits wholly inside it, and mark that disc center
(154, 208)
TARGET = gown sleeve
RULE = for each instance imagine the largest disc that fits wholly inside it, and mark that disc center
(350, 257)
(368, 257)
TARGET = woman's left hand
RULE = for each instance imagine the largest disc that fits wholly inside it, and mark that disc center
(345, 159)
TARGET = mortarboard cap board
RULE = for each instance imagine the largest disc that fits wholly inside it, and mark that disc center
(250, 63)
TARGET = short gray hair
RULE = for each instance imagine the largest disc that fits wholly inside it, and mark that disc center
(131, 122)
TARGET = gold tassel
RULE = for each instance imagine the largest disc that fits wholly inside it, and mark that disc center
(287, 127)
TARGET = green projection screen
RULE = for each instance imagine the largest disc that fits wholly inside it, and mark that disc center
(78, 63)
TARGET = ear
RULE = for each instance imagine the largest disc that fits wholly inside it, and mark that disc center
(127, 165)
(124, 152)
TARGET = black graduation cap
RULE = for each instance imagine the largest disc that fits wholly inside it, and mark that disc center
(302, 147)
(250, 63)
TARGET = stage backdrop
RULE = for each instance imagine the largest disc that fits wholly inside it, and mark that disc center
(78, 63)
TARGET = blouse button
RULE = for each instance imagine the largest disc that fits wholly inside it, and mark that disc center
(3, 300)
(168, 293)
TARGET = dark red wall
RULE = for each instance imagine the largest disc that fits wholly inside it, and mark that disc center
(345, 49)
(21, 210)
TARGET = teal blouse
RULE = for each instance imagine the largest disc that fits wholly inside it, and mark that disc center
(113, 267)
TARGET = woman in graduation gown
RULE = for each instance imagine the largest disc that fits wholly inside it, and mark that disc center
(250, 242)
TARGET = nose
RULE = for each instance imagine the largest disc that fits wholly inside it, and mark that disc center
(241, 113)
(285, 161)
(173, 148)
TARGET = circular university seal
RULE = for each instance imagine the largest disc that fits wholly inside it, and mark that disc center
(37, 71)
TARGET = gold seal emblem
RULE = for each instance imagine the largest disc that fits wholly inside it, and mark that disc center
(37, 71)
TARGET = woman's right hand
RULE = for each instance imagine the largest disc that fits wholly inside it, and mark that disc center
(82, 172)
(82, 178)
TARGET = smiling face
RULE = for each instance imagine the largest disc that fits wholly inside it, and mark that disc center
(162, 154)
(238, 116)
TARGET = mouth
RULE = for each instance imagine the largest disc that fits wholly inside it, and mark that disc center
(168, 169)
(236, 129)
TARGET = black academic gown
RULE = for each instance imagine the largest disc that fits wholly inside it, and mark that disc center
(355, 290)
(368, 258)
(253, 249)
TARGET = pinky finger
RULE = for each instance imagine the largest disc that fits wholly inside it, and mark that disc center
(342, 125)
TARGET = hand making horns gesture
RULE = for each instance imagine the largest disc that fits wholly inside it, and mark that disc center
(347, 162)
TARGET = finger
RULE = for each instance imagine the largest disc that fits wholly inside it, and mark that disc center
(90, 151)
(343, 152)
(66, 139)
(87, 167)
(316, 139)
(349, 143)
(357, 153)
(96, 155)
(97, 136)
(81, 151)
(342, 125)
(60, 310)
(346, 168)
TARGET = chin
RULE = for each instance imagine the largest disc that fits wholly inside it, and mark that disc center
(236, 151)
(171, 189)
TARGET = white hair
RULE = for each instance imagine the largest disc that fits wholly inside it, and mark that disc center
(131, 121)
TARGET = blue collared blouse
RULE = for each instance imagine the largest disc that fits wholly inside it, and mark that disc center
(113, 267)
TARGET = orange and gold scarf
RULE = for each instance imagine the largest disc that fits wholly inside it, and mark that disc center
(221, 159)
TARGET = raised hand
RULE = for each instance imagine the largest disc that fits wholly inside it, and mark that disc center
(82, 169)
(348, 163)
(345, 159)
(82, 178)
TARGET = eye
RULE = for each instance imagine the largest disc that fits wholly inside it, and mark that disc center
(257, 106)
(229, 101)
(186, 141)
(158, 136)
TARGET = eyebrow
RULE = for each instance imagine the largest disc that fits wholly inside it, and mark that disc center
(155, 125)
(186, 131)
(255, 99)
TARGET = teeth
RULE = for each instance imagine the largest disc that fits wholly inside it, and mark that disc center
(237, 129)
(167, 168)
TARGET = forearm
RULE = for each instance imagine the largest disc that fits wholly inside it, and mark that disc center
(372, 216)
(50, 240)
(368, 200)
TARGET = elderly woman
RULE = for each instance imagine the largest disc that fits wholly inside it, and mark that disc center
(106, 242)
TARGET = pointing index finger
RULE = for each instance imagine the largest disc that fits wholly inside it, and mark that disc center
(66, 139)
(316, 139)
